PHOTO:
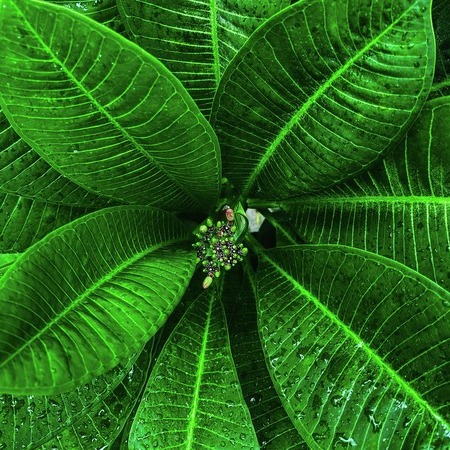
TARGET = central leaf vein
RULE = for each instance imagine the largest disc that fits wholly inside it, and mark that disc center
(215, 41)
(198, 381)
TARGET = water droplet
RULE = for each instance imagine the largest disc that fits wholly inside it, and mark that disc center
(340, 438)
(376, 424)
(337, 400)
(31, 407)
(274, 362)
(406, 422)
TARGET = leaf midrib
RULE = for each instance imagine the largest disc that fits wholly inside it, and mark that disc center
(412, 199)
(75, 302)
(198, 380)
(102, 111)
(215, 41)
(342, 200)
(352, 335)
(286, 129)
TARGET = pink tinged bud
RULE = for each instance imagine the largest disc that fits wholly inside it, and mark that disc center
(229, 213)
(207, 282)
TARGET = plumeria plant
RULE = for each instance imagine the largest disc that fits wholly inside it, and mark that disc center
(143, 305)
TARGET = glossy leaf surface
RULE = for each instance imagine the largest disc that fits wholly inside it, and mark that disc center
(273, 427)
(6, 259)
(102, 111)
(92, 293)
(23, 172)
(23, 221)
(196, 39)
(102, 11)
(441, 21)
(400, 208)
(358, 346)
(88, 417)
(193, 398)
(320, 92)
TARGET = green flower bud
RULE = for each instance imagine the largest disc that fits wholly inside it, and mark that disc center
(207, 282)
(203, 229)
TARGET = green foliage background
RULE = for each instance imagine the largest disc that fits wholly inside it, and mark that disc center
(125, 124)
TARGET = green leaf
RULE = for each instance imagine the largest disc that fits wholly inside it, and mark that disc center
(399, 209)
(281, 226)
(193, 396)
(23, 221)
(6, 260)
(358, 347)
(88, 417)
(102, 11)
(91, 293)
(441, 25)
(320, 91)
(273, 427)
(103, 112)
(240, 222)
(23, 172)
(196, 41)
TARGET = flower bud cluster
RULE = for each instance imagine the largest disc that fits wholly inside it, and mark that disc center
(216, 246)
